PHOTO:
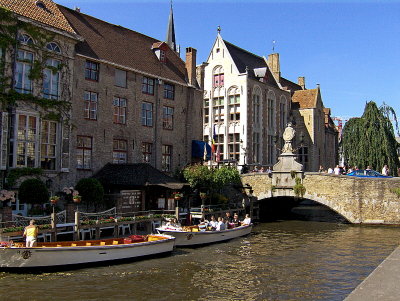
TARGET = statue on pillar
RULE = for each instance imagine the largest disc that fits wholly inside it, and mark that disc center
(288, 136)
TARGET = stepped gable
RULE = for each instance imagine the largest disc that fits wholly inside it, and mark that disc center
(135, 174)
(243, 58)
(306, 99)
(43, 11)
(124, 47)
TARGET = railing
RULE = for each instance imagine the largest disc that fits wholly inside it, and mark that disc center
(19, 220)
(99, 215)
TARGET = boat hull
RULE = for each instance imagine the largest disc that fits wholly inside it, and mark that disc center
(186, 239)
(53, 257)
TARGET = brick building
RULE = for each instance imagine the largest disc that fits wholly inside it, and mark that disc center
(134, 99)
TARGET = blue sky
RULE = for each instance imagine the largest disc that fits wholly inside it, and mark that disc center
(350, 48)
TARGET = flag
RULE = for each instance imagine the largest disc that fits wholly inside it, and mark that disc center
(214, 137)
(205, 152)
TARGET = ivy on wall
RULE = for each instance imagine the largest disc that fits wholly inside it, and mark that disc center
(52, 109)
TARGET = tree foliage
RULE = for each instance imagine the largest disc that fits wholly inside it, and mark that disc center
(201, 177)
(370, 139)
(91, 191)
(33, 191)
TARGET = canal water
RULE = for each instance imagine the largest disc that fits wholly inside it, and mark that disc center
(311, 256)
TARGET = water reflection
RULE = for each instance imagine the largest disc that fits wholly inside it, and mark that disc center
(287, 260)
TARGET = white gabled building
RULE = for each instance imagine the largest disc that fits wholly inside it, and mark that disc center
(245, 107)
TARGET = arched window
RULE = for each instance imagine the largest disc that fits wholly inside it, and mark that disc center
(271, 100)
(53, 47)
(25, 39)
(283, 112)
(256, 106)
(218, 77)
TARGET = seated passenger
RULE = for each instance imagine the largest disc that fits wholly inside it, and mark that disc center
(203, 224)
(236, 221)
(213, 223)
(221, 225)
(173, 224)
(247, 220)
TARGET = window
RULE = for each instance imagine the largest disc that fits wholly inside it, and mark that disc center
(168, 118)
(234, 107)
(48, 145)
(25, 39)
(148, 85)
(23, 67)
(119, 110)
(219, 147)
(282, 118)
(147, 149)
(169, 91)
(303, 156)
(256, 110)
(120, 78)
(271, 111)
(120, 151)
(27, 137)
(92, 71)
(91, 99)
(206, 111)
(84, 152)
(163, 58)
(51, 79)
(53, 47)
(218, 77)
(256, 147)
(147, 114)
(218, 109)
(3, 139)
(166, 158)
(270, 149)
(234, 146)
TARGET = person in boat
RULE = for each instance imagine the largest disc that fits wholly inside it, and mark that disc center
(203, 224)
(228, 217)
(213, 223)
(220, 225)
(236, 221)
(173, 223)
(247, 220)
(31, 233)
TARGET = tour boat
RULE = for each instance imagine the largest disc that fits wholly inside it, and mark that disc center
(82, 253)
(192, 236)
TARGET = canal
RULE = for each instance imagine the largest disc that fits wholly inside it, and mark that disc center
(311, 256)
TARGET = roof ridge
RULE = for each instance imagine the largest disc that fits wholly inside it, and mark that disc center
(74, 11)
(244, 50)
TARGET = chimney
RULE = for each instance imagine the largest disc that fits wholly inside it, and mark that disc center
(200, 70)
(77, 9)
(191, 65)
(301, 81)
(274, 66)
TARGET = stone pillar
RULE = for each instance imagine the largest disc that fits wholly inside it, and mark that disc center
(5, 215)
(70, 208)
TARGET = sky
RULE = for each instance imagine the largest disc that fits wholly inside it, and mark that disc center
(351, 48)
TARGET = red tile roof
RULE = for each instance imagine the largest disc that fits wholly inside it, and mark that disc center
(124, 47)
(49, 15)
(307, 99)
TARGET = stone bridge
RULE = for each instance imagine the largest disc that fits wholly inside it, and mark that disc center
(359, 200)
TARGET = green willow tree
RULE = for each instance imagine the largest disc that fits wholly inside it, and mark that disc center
(370, 139)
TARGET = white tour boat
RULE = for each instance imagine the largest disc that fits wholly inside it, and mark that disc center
(191, 236)
(81, 253)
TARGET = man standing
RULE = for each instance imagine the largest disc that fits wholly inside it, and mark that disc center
(31, 233)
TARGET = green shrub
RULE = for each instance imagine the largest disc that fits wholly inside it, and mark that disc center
(33, 191)
(91, 191)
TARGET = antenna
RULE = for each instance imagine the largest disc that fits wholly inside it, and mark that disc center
(273, 45)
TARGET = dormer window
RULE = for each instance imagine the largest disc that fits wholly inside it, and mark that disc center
(25, 39)
(162, 56)
(53, 47)
(40, 4)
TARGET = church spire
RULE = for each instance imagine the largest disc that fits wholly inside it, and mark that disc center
(170, 39)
